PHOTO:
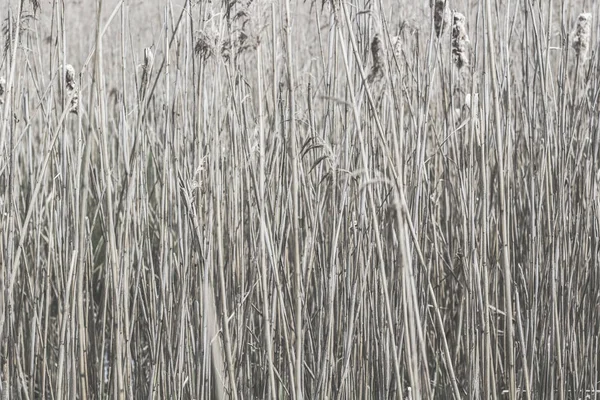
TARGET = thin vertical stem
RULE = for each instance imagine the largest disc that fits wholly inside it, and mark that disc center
(505, 244)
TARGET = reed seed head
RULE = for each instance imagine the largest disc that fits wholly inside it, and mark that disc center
(70, 77)
(71, 86)
(378, 59)
(581, 35)
(459, 18)
(206, 45)
(441, 17)
(460, 41)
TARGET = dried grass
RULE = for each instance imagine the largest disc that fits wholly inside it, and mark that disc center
(268, 225)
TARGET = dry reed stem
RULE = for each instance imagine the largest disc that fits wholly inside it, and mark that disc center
(581, 39)
(472, 105)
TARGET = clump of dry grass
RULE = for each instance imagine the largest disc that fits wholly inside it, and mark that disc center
(581, 35)
(460, 41)
(441, 16)
(71, 86)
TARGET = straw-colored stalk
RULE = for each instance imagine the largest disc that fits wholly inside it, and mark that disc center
(72, 90)
(467, 106)
(472, 104)
(460, 41)
(581, 35)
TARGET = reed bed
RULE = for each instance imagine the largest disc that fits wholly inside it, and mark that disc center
(284, 199)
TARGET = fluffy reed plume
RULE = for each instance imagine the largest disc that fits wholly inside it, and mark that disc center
(581, 35)
(460, 41)
(206, 45)
(378, 60)
(441, 16)
(2, 89)
(71, 86)
(246, 26)
(146, 71)
(10, 25)
(35, 4)
(70, 77)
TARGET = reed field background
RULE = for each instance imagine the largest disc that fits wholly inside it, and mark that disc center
(237, 199)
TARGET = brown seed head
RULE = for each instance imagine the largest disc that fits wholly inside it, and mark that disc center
(378, 59)
(460, 41)
(459, 18)
(206, 45)
(581, 35)
(71, 86)
(70, 77)
(441, 17)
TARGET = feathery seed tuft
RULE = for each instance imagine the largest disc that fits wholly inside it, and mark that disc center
(441, 16)
(72, 90)
(581, 39)
(460, 41)
(378, 57)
